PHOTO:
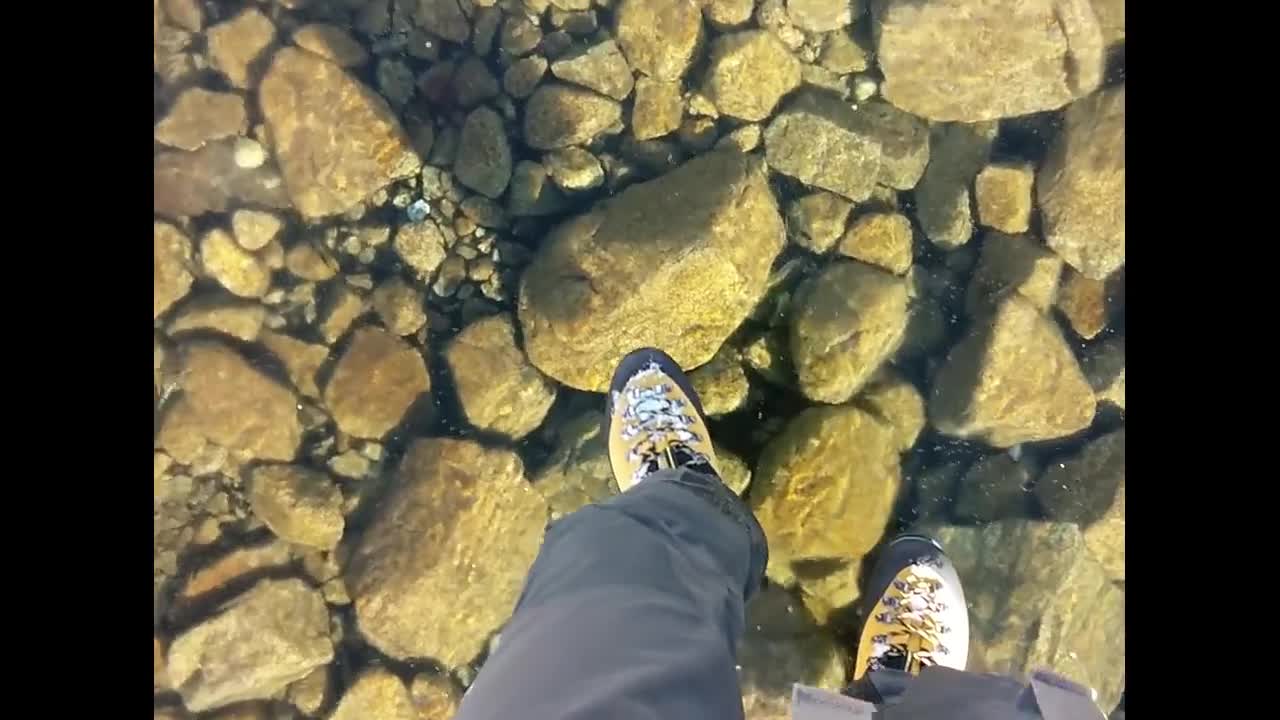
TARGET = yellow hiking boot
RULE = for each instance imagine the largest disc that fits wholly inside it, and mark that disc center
(655, 420)
(916, 613)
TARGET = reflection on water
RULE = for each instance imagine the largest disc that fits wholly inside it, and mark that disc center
(399, 247)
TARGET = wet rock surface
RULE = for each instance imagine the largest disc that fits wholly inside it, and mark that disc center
(462, 523)
(750, 71)
(498, 388)
(576, 331)
(362, 146)
(265, 639)
(374, 382)
(562, 115)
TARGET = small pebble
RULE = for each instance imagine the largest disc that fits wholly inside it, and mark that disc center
(372, 450)
(249, 153)
(463, 225)
(361, 281)
(351, 245)
(419, 210)
(864, 88)
(480, 270)
(367, 255)
(466, 251)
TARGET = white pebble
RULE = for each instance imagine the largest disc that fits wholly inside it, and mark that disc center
(864, 88)
(249, 153)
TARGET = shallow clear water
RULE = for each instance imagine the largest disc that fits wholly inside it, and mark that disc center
(905, 304)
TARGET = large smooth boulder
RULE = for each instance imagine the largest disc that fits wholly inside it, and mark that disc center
(630, 273)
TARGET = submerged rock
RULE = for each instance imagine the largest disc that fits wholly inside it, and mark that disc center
(994, 488)
(226, 401)
(1011, 380)
(236, 269)
(239, 319)
(270, 636)
(1080, 187)
(376, 694)
(561, 115)
(600, 67)
(896, 401)
(1013, 264)
(498, 388)
(782, 646)
(236, 44)
(484, 154)
(1084, 303)
(200, 115)
(460, 530)
(817, 220)
(848, 321)
(172, 267)
(659, 36)
(957, 152)
(298, 504)
(578, 471)
(820, 141)
(972, 60)
(749, 72)
(331, 43)
(721, 384)
(825, 487)
(362, 149)
(1003, 193)
(1088, 489)
(374, 382)
(880, 239)
(657, 109)
(1070, 617)
(209, 180)
(629, 273)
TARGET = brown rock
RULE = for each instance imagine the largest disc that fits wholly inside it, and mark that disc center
(1070, 616)
(342, 309)
(208, 180)
(227, 402)
(473, 83)
(904, 143)
(434, 696)
(235, 268)
(783, 645)
(1104, 366)
(599, 288)
(234, 45)
(847, 321)
(1088, 490)
(1004, 196)
(270, 636)
(726, 14)
(749, 72)
(421, 247)
(331, 43)
(443, 18)
(301, 360)
(1111, 18)
(200, 115)
(241, 319)
(843, 54)
(1084, 303)
(659, 36)
(1081, 186)
(574, 169)
(172, 267)
(225, 572)
(363, 149)
(824, 488)
(957, 152)
(825, 589)
(600, 67)
(821, 141)
(895, 400)
(399, 305)
(308, 262)
(255, 229)
(186, 13)
(817, 220)
(994, 488)
(561, 115)
(657, 108)
(523, 76)
(999, 58)
(577, 472)
(823, 15)
(461, 524)
(532, 191)
(734, 471)
(721, 384)
(519, 35)
(499, 390)
(744, 139)
(376, 694)
(880, 239)
(311, 692)
(484, 155)
(1011, 380)
(374, 382)
(1013, 264)
(300, 505)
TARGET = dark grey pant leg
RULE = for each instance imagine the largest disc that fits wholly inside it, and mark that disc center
(633, 609)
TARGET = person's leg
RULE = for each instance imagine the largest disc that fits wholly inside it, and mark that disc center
(633, 609)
